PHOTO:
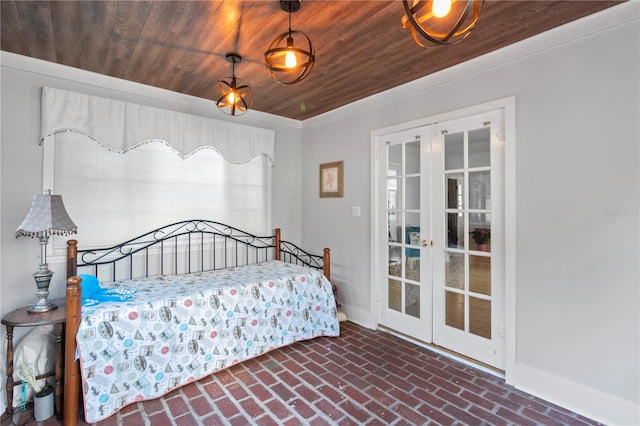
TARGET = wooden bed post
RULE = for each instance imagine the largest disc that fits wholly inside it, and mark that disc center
(278, 237)
(71, 366)
(327, 263)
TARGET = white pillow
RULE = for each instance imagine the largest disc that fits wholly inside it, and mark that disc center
(37, 348)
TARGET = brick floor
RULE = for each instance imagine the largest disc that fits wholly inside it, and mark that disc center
(362, 377)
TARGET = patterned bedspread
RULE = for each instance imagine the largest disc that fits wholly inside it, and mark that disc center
(177, 329)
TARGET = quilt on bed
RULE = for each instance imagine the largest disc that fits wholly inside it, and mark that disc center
(180, 328)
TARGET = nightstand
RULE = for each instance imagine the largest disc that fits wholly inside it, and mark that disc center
(23, 318)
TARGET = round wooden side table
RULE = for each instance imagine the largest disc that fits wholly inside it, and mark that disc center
(21, 317)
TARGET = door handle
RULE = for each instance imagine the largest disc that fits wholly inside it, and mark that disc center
(426, 243)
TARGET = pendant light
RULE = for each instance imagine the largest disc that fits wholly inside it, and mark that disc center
(235, 100)
(441, 21)
(290, 56)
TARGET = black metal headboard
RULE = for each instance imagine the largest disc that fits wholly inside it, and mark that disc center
(188, 246)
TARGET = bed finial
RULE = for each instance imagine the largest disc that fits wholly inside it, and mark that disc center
(72, 257)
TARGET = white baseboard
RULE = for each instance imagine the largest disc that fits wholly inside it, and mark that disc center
(591, 403)
(359, 316)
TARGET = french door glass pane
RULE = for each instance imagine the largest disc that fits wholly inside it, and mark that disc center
(479, 147)
(455, 190)
(454, 151)
(480, 190)
(412, 225)
(455, 230)
(412, 193)
(394, 193)
(454, 270)
(395, 295)
(454, 309)
(480, 230)
(395, 261)
(412, 158)
(480, 274)
(412, 303)
(395, 158)
(480, 317)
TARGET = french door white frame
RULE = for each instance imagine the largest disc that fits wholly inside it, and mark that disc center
(508, 105)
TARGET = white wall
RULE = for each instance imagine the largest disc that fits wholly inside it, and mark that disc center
(21, 159)
(576, 329)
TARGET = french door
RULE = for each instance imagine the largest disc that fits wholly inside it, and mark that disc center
(440, 192)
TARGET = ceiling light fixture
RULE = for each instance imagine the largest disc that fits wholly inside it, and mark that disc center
(287, 61)
(235, 100)
(441, 21)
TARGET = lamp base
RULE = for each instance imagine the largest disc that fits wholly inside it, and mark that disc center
(42, 306)
(43, 279)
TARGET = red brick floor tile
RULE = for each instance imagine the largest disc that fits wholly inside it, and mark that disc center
(307, 393)
(260, 392)
(251, 407)
(237, 391)
(177, 406)
(381, 411)
(213, 390)
(302, 408)
(409, 415)
(356, 411)
(282, 391)
(329, 409)
(239, 420)
(160, 419)
(200, 405)
(184, 420)
(355, 395)
(279, 409)
(488, 417)
(514, 417)
(227, 407)
(289, 378)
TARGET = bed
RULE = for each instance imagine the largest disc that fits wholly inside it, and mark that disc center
(200, 296)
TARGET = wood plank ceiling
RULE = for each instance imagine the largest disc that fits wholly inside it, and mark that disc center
(361, 48)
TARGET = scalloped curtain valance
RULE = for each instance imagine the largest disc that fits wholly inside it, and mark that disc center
(122, 125)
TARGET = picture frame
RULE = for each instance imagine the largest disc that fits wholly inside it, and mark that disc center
(331, 180)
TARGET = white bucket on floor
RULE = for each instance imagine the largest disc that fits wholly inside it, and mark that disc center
(43, 404)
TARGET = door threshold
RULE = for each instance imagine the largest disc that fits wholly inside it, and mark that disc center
(448, 353)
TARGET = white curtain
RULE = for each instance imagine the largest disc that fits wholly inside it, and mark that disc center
(125, 169)
(122, 125)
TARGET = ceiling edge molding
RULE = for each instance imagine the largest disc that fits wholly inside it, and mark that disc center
(583, 27)
(132, 91)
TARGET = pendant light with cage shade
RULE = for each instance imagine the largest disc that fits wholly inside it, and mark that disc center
(291, 55)
(440, 22)
(234, 99)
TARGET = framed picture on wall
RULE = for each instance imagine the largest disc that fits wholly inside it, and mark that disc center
(331, 180)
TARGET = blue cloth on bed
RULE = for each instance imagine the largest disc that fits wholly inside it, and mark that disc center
(93, 293)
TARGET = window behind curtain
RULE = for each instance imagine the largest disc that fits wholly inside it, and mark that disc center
(113, 196)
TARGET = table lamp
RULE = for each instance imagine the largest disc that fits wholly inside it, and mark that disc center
(47, 217)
